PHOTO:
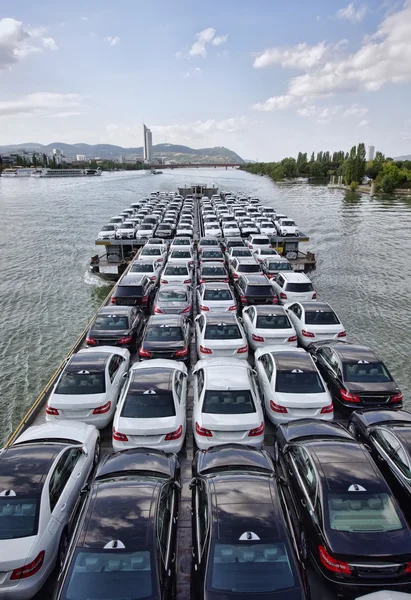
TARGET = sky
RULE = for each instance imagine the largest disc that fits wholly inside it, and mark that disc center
(266, 79)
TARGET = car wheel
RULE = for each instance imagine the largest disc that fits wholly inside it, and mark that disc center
(97, 452)
(303, 547)
(353, 430)
(63, 547)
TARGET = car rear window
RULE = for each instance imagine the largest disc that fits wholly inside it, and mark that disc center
(366, 372)
(241, 252)
(150, 252)
(259, 290)
(288, 223)
(363, 512)
(172, 296)
(249, 268)
(213, 271)
(248, 568)
(299, 382)
(164, 333)
(321, 317)
(228, 402)
(129, 290)
(223, 295)
(298, 287)
(142, 268)
(181, 242)
(82, 383)
(180, 254)
(222, 331)
(176, 270)
(273, 322)
(18, 516)
(110, 576)
(150, 404)
(261, 240)
(206, 242)
(279, 266)
(111, 322)
(212, 254)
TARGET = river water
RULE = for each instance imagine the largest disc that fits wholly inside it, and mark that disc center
(48, 228)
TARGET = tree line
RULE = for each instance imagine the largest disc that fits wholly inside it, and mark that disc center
(24, 160)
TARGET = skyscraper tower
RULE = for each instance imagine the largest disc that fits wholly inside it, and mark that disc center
(148, 145)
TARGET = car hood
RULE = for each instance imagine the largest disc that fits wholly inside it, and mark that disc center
(68, 401)
(230, 422)
(372, 545)
(154, 426)
(14, 553)
(166, 346)
(373, 388)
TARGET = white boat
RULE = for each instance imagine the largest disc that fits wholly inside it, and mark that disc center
(11, 172)
(92, 172)
(46, 172)
(26, 171)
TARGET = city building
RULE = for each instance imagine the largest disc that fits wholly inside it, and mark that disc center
(80, 157)
(148, 145)
(370, 152)
(58, 155)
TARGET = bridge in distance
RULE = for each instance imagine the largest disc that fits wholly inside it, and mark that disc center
(196, 166)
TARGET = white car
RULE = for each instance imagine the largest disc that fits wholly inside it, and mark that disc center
(177, 273)
(267, 228)
(152, 408)
(268, 325)
(154, 252)
(107, 232)
(220, 335)
(149, 267)
(278, 218)
(215, 297)
(231, 230)
(227, 406)
(182, 243)
(126, 231)
(291, 385)
(117, 221)
(315, 322)
(256, 240)
(41, 476)
(89, 386)
(145, 230)
(385, 595)
(182, 256)
(263, 253)
(212, 230)
(293, 287)
(287, 227)
(185, 230)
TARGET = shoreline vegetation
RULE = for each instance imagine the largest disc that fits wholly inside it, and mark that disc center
(389, 175)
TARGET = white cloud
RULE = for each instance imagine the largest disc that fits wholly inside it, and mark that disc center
(192, 72)
(275, 103)
(301, 56)
(112, 40)
(41, 103)
(18, 41)
(204, 38)
(363, 123)
(176, 131)
(352, 14)
(324, 114)
(218, 40)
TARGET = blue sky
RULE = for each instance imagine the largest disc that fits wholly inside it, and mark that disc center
(264, 78)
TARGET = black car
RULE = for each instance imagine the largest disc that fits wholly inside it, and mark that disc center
(254, 289)
(124, 544)
(164, 230)
(351, 525)
(243, 547)
(356, 376)
(134, 290)
(116, 326)
(387, 435)
(166, 336)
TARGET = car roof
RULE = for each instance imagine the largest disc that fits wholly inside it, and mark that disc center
(131, 279)
(216, 319)
(354, 352)
(295, 277)
(172, 320)
(269, 310)
(219, 376)
(152, 379)
(216, 285)
(246, 260)
(315, 306)
(256, 279)
(24, 468)
(293, 361)
(88, 361)
(116, 310)
(181, 287)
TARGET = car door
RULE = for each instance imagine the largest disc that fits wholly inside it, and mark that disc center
(265, 371)
(200, 538)
(393, 461)
(116, 370)
(324, 361)
(304, 485)
(248, 321)
(277, 283)
(295, 313)
(64, 486)
(166, 539)
(198, 390)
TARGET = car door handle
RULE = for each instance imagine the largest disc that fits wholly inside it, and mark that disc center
(63, 507)
(303, 502)
(78, 475)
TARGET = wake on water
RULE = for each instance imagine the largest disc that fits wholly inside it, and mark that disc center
(95, 280)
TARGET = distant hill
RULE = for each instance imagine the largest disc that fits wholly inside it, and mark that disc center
(176, 152)
(406, 157)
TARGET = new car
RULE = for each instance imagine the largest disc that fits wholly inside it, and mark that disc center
(126, 231)
(177, 273)
(215, 297)
(89, 386)
(227, 405)
(152, 409)
(262, 253)
(231, 229)
(255, 241)
(356, 376)
(107, 232)
(183, 256)
(291, 385)
(145, 230)
(212, 255)
(351, 525)
(155, 252)
(238, 252)
(147, 266)
(173, 298)
(164, 230)
(134, 289)
(213, 229)
(212, 271)
(184, 229)
(268, 325)
(293, 287)
(286, 227)
(315, 322)
(41, 475)
(124, 545)
(267, 228)
(180, 243)
(220, 335)
(244, 266)
(254, 289)
(243, 543)
(272, 265)
(166, 336)
(116, 326)
(207, 242)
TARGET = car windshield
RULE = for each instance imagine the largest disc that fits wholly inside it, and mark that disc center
(82, 383)
(107, 228)
(18, 516)
(172, 296)
(212, 254)
(140, 267)
(241, 252)
(218, 295)
(261, 240)
(176, 270)
(362, 512)
(228, 402)
(273, 322)
(248, 268)
(260, 290)
(279, 266)
(149, 404)
(321, 317)
(180, 254)
(299, 382)
(250, 568)
(110, 575)
(365, 372)
(129, 290)
(288, 223)
(206, 242)
(213, 271)
(150, 252)
(298, 287)
(111, 322)
(181, 242)
(222, 331)
(164, 333)
(127, 226)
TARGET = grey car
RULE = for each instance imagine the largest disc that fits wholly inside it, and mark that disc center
(216, 297)
(173, 298)
(212, 271)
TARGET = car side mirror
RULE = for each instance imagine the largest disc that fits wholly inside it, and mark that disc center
(193, 483)
(313, 356)
(85, 489)
(125, 375)
(84, 450)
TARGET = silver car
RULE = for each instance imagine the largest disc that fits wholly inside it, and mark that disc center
(212, 271)
(220, 335)
(173, 298)
(216, 297)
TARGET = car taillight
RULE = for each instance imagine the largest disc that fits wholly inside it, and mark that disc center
(120, 437)
(274, 299)
(314, 295)
(244, 299)
(408, 568)
(182, 352)
(327, 409)
(257, 431)
(242, 350)
(205, 350)
(144, 353)
(342, 334)
(30, 569)
(283, 296)
(144, 300)
(91, 341)
(187, 281)
(153, 277)
(203, 431)
(396, 398)
(164, 281)
(307, 333)
(277, 408)
(225, 280)
(349, 397)
(52, 411)
(250, 246)
(186, 310)
(234, 307)
(174, 435)
(201, 281)
(293, 338)
(204, 307)
(332, 564)
(157, 311)
(100, 410)
(235, 275)
(126, 340)
(113, 301)
(258, 338)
